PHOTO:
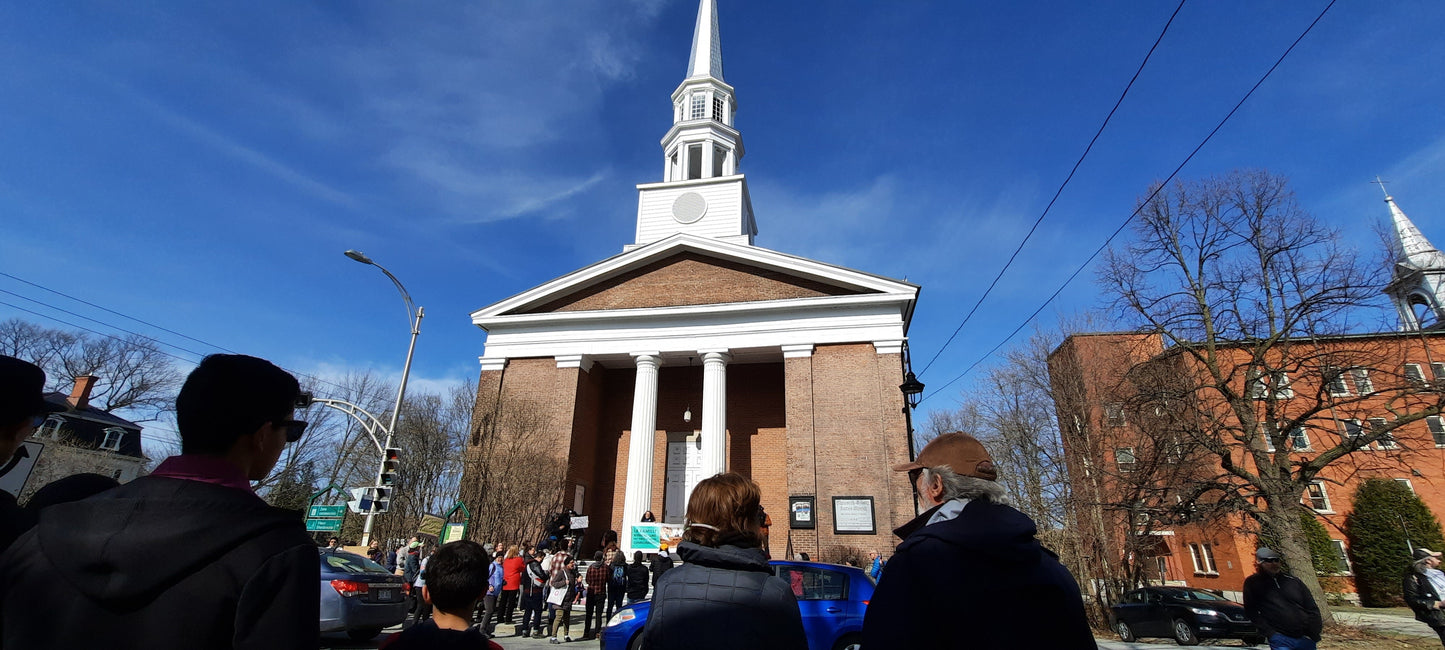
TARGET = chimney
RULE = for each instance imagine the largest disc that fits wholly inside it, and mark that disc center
(80, 395)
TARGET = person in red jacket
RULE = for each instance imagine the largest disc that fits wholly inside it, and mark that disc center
(512, 566)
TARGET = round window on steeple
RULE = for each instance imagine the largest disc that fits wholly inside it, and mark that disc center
(689, 207)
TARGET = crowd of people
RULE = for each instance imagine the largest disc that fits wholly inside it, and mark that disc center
(190, 556)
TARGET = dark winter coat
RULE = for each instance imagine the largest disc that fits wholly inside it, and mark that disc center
(660, 565)
(532, 593)
(411, 566)
(162, 563)
(1421, 597)
(14, 520)
(1281, 603)
(980, 580)
(637, 579)
(724, 597)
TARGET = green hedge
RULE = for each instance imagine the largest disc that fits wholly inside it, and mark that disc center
(1384, 512)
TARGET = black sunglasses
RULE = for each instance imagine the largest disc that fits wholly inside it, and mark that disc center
(1270, 560)
(294, 429)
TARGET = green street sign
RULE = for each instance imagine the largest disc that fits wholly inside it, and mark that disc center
(323, 525)
(326, 512)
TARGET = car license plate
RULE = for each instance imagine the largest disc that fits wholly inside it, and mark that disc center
(386, 595)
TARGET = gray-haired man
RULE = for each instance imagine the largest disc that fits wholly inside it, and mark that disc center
(1423, 588)
(969, 572)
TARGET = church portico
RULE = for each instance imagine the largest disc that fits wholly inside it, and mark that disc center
(695, 352)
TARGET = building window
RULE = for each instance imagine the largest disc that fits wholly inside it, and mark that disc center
(1351, 429)
(1335, 379)
(717, 109)
(1437, 371)
(1124, 456)
(112, 439)
(699, 106)
(1413, 374)
(1203, 557)
(1387, 439)
(1318, 500)
(1114, 414)
(1174, 451)
(1298, 439)
(719, 158)
(1406, 483)
(1342, 559)
(1363, 385)
(51, 428)
(1278, 380)
(694, 161)
(1437, 429)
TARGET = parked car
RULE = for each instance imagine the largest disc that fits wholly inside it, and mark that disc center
(1184, 614)
(832, 599)
(358, 596)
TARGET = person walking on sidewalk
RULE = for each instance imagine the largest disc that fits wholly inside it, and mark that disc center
(533, 588)
(1280, 605)
(596, 581)
(1424, 590)
(561, 597)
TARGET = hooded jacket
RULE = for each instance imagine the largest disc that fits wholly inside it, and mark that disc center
(162, 562)
(1281, 603)
(724, 597)
(978, 580)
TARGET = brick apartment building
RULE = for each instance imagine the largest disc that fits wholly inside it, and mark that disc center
(1129, 470)
(694, 352)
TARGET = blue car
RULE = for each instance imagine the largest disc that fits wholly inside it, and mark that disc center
(831, 597)
(358, 596)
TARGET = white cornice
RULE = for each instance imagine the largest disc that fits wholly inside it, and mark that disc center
(682, 242)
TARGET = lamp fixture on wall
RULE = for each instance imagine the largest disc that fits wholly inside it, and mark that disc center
(687, 412)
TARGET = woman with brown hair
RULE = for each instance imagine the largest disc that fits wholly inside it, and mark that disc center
(723, 594)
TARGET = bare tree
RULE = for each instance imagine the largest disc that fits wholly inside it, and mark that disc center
(1251, 298)
(134, 375)
(510, 483)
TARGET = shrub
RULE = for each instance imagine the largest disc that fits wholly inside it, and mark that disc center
(1386, 521)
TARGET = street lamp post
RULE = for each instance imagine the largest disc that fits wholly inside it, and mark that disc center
(413, 317)
(912, 390)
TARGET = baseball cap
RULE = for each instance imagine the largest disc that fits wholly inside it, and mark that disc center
(1266, 554)
(962, 453)
(22, 389)
(1422, 553)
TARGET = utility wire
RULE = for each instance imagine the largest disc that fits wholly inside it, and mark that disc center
(1058, 192)
(1135, 213)
(199, 355)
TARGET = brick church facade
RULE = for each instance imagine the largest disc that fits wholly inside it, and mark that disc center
(695, 352)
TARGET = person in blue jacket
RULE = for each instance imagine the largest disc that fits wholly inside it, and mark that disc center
(969, 572)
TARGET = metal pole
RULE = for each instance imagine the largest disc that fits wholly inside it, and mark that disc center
(395, 411)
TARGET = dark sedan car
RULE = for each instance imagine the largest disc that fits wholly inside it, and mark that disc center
(359, 596)
(1182, 613)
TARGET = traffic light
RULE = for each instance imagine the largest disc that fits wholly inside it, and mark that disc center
(381, 499)
(390, 463)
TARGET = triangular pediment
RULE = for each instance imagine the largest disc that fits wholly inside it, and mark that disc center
(691, 278)
(685, 270)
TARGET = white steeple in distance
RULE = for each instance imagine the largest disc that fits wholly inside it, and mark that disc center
(1419, 277)
(701, 193)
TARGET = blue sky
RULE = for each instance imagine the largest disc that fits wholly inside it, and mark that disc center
(203, 166)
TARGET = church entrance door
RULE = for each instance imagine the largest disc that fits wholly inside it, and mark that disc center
(684, 470)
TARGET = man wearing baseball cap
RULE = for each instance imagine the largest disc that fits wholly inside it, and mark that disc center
(969, 572)
(1423, 587)
(1280, 605)
(22, 410)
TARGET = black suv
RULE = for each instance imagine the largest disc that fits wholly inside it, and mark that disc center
(1183, 613)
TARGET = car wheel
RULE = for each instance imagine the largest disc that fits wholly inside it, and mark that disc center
(1125, 634)
(636, 642)
(1184, 633)
(364, 634)
(849, 642)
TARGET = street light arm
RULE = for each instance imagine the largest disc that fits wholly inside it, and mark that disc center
(411, 315)
(369, 424)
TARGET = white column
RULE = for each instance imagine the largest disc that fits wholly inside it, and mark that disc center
(638, 497)
(714, 411)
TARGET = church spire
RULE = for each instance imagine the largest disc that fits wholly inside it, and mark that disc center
(1418, 285)
(706, 58)
(702, 192)
(1412, 247)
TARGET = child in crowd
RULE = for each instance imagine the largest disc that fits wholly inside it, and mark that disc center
(456, 577)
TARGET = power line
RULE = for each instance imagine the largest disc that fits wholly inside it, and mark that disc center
(1058, 192)
(1135, 213)
(100, 322)
(86, 329)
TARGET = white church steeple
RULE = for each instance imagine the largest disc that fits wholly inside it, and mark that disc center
(1418, 285)
(702, 192)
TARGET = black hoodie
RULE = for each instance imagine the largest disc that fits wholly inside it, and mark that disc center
(162, 562)
(979, 580)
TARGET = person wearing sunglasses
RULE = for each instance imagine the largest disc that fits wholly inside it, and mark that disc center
(1280, 605)
(189, 556)
(22, 410)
